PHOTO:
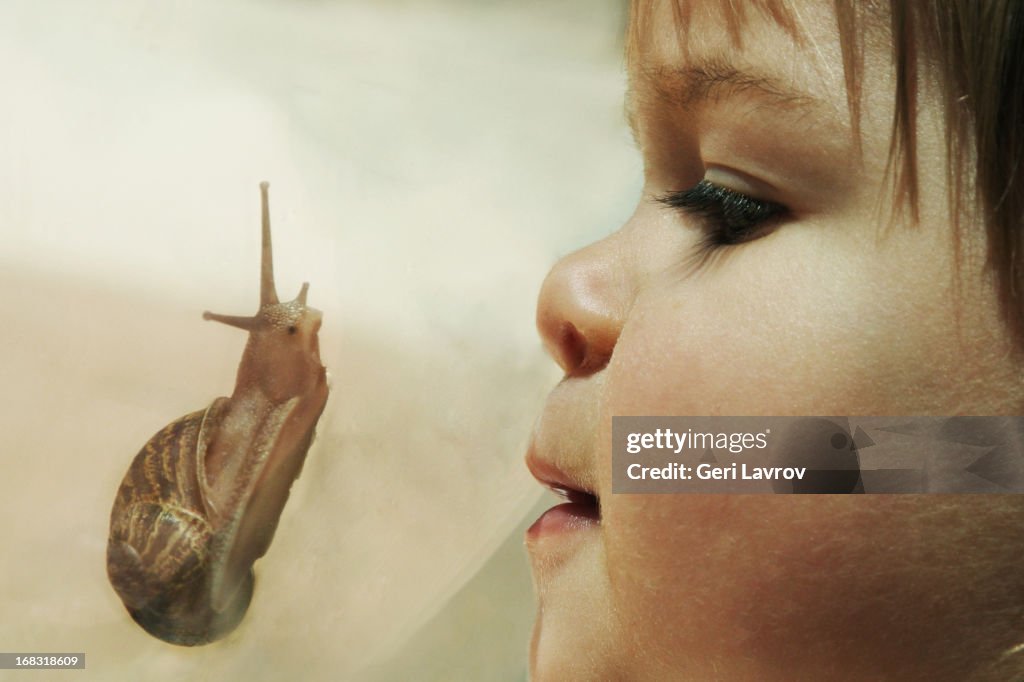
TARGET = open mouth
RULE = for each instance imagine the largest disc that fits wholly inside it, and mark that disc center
(581, 501)
(581, 508)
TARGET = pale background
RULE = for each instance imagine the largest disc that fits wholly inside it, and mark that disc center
(428, 162)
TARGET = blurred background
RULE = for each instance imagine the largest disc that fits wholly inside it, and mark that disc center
(429, 161)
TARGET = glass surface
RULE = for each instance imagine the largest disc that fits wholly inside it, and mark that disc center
(428, 162)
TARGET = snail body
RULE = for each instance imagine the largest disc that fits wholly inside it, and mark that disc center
(201, 501)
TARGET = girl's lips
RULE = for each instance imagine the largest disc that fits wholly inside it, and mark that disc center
(580, 510)
(565, 517)
(556, 478)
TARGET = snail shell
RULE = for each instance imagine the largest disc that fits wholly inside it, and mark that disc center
(201, 500)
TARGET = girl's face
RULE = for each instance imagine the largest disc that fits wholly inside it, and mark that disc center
(785, 279)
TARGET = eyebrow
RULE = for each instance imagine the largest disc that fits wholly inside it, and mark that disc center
(711, 80)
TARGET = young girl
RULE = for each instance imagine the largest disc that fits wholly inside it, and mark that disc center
(830, 223)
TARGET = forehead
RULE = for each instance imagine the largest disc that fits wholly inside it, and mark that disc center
(687, 51)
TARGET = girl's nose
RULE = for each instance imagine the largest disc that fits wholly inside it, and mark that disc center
(582, 308)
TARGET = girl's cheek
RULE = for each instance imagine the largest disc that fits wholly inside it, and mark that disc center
(735, 338)
(800, 582)
(814, 319)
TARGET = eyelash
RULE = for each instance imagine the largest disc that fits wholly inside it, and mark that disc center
(729, 217)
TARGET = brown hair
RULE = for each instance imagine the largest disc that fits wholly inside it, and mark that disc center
(974, 50)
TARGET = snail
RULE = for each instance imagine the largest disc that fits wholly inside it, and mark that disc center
(201, 500)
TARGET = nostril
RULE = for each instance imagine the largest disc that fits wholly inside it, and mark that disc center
(574, 352)
(571, 350)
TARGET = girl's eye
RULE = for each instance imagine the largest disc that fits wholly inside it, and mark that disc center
(729, 217)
